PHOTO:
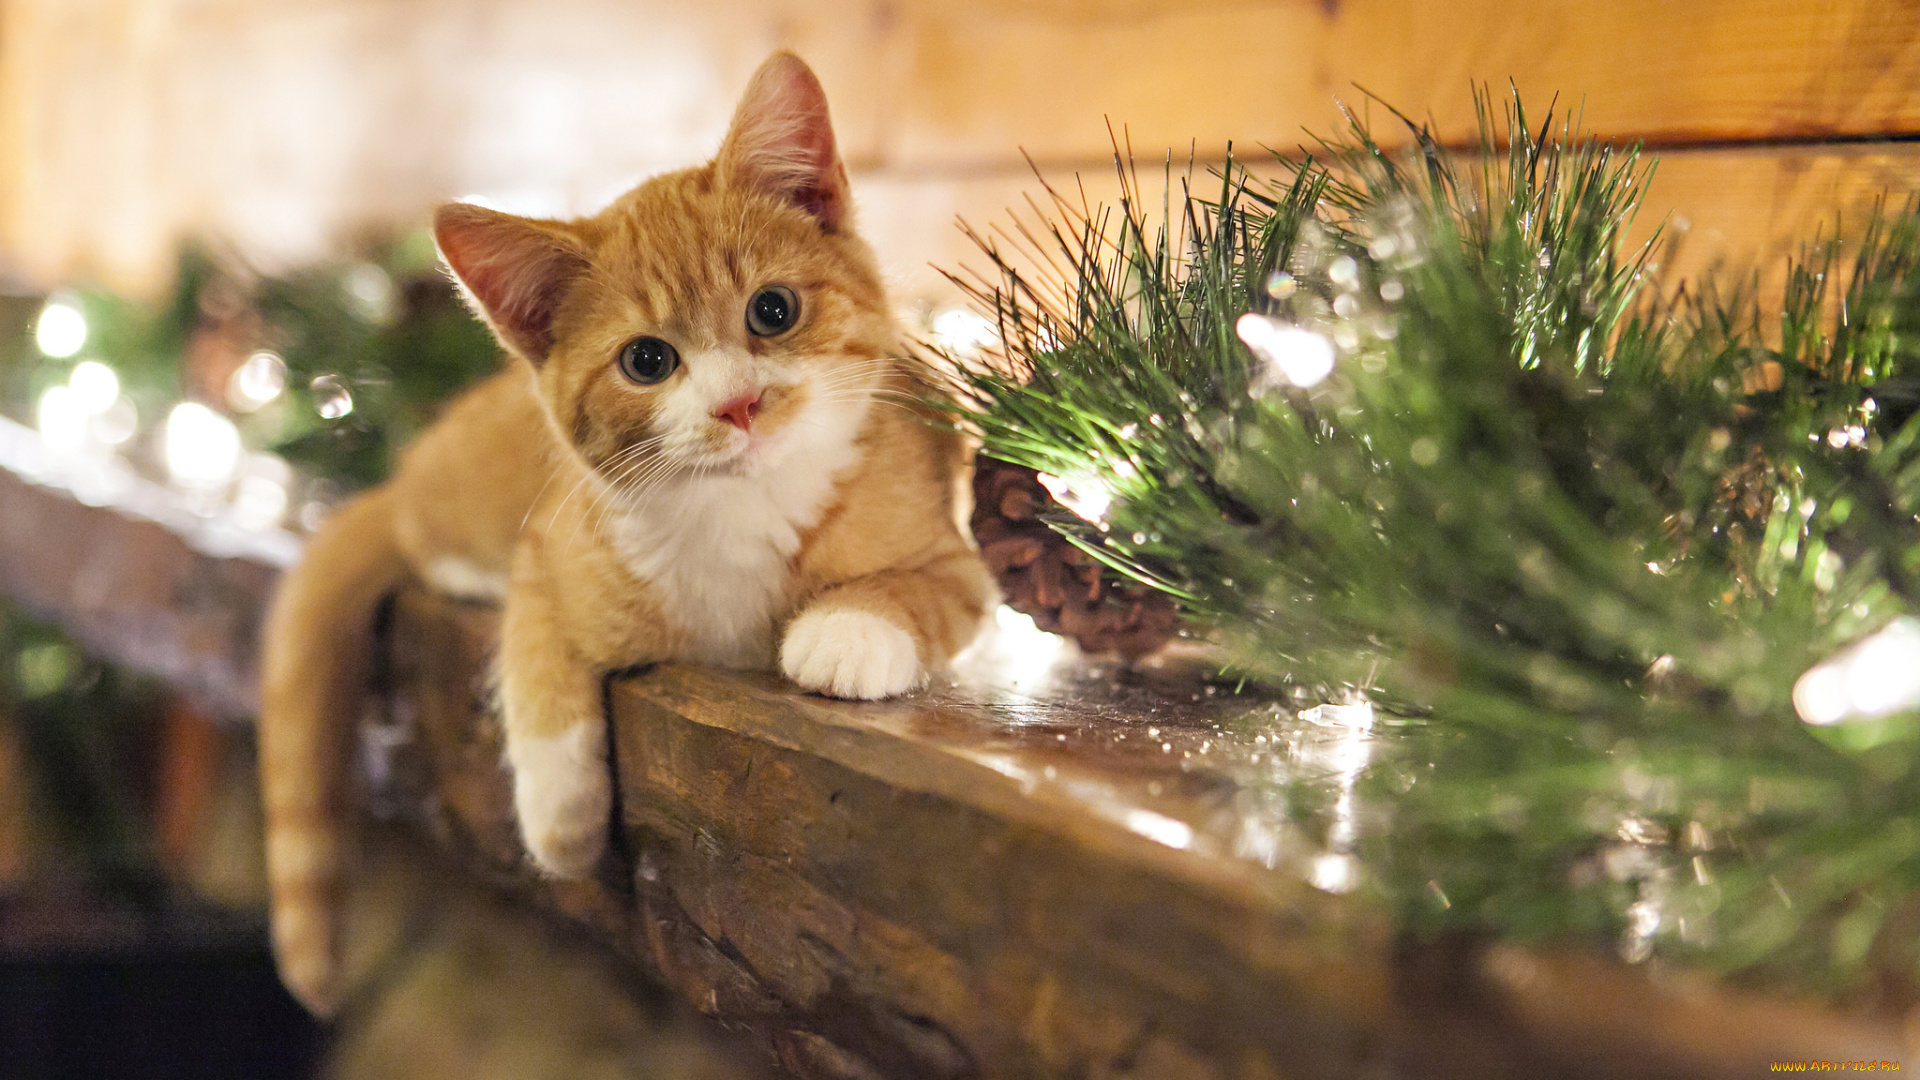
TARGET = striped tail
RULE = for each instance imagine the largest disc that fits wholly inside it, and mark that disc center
(318, 651)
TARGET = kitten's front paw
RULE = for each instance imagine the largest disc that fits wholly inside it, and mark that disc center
(563, 796)
(850, 654)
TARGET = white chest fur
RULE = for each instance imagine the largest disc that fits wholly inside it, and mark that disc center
(719, 548)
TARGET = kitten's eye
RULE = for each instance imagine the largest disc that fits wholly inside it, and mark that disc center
(648, 360)
(772, 310)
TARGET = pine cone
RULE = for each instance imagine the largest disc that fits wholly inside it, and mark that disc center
(1043, 575)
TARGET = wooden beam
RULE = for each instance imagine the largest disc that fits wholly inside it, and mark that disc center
(1032, 870)
(287, 128)
(1742, 206)
(134, 574)
(987, 78)
(1039, 867)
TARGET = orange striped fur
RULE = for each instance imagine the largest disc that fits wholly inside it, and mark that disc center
(778, 500)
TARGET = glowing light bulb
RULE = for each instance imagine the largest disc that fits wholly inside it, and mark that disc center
(202, 447)
(95, 385)
(1297, 356)
(62, 420)
(957, 330)
(1876, 677)
(258, 381)
(1334, 872)
(1086, 496)
(61, 329)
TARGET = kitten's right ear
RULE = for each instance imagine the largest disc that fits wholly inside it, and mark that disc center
(514, 271)
(781, 142)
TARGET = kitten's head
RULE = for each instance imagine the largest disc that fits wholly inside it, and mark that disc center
(714, 320)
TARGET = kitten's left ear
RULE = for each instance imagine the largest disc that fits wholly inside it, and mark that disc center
(781, 142)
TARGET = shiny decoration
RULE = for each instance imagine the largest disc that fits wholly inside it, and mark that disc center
(262, 379)
(331, 398)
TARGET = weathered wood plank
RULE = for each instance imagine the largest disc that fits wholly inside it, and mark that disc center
(1067, 875)
(1743, 205)
(1033, 870)
(288, 128)
(1039, 867)
(182, 600)
(1759, 204)
(989, 77)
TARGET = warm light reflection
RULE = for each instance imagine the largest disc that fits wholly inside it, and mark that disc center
(1295, 355)
(331, 398)
(1085, 495)
(1875, 677)
(1026, 651)
(61, 329)
(1160, 828)
(1334, 872)
(1337, 871)
(964, 333)
(202, 447)
(95, 386)
(62, 420)
(258, 381)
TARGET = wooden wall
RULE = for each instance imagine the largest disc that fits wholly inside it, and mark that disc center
(288, 126)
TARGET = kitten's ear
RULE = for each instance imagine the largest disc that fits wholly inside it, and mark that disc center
(514, 271)
(781, 142)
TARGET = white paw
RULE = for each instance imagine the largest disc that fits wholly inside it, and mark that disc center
(850, 654)
(562, 796)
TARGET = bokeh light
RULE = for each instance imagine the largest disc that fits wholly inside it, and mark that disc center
(1297, 356)
(117, 422)
(260, 498)
(331, 398)
(1087, 496)
(202, 447)
(95, 386)
(257, 382)
(61, 329)
(62, 420)
(964, 333)
(1876, 677)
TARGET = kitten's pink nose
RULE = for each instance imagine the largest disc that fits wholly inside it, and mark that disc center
(740, 411)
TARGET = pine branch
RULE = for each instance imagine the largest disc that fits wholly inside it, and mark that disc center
(1584, 528)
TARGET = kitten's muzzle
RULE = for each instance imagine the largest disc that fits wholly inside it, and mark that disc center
(740, 411)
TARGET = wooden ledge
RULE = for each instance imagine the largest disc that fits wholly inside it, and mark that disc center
(1032, 869)
(134, 575)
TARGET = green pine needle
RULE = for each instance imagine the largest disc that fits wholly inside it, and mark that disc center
(1588, 525)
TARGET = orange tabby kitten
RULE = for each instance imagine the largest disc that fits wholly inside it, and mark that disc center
(699, 454)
